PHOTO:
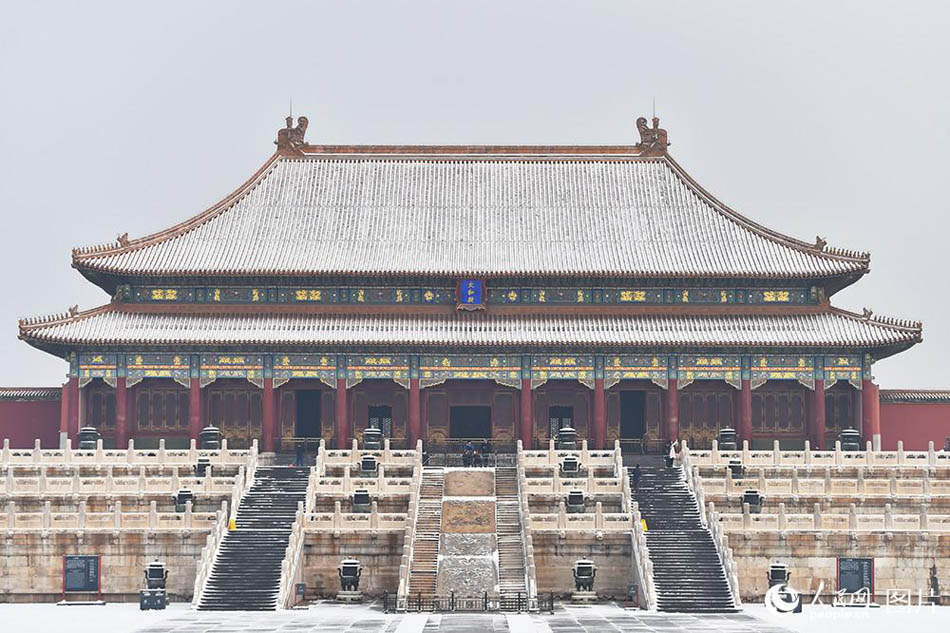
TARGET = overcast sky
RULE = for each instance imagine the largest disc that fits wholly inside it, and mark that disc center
(813, 118)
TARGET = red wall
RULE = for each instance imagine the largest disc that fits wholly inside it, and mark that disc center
(24, 421)
(915, 424)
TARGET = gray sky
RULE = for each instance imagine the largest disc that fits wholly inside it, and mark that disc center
(812, 118)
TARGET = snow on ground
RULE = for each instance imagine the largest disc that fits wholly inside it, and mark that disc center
(821, 618)
(120, 617)
(332, 618)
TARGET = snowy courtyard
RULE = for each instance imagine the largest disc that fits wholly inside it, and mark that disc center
(332, 618)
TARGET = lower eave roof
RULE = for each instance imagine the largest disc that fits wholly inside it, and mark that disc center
(112, 326)
(915, 396)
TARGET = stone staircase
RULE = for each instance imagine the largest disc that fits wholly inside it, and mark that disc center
(508, 531)
(245, 575)
(424, 563)
(687, 571)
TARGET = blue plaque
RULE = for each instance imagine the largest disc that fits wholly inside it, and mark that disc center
(471, 294)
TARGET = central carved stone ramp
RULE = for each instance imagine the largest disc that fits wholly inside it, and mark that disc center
(508, 528)
(424, 564)
(687, 571)
(246, 571)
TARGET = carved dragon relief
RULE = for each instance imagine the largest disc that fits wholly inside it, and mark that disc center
(653, 141)
(290, 137)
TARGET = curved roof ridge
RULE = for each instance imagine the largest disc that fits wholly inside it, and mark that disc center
(907, 325)
(111, 248)
(819, 249)
(73, 315)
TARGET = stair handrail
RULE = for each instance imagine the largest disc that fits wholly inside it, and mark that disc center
(531, 583)
(710, 520)
(206, 560)
(402, 591)
(643, 566)
(291, 570)
(242, 483)
(315, 473)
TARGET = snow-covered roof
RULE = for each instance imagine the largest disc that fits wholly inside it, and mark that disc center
(489, 212)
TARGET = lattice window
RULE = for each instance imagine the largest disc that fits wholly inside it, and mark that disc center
(162, 409)
(560, 417)
(381, 417)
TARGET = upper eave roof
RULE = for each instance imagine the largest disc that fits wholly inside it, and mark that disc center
(116, 325)
(487, 211)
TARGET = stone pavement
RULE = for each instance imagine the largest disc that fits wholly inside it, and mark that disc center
(332, 618)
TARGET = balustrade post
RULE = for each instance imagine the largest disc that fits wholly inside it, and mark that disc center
(746, 517)
(142, 482)
(337, 518)
(82, 515)
(599, 516)
(374, 516)
(11, 515)
(892, 482)
(888, 517)
(38, 454)
(782, 521)
(860, 484)
(187, 521)
(152, 515)
(900, 452)
(47, 516)
(852, 517)
(795, 484)
(42, 480)
(776, 453)
(827, 483)
(837, 452)
(5, 454)
(924, 523)
(130, 453)
(76, 483)
(816, 515)
(561, 515)
(8, 482)
(931, 454)
(807, 453)
(714, 452)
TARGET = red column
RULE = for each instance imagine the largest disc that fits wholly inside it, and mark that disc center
(268, 425)
(867, 410)
(875, 411)
(415, 420)
(194, 409)
(341, 423)
(817, 433)
(600, 418)
(73, 388)
(121, 413)
(527, 418)
(745, 411)
(64, 409)
(672, 411)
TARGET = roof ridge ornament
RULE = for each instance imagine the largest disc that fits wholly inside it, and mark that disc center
(290, 137)
(653, 141)
(820, 243)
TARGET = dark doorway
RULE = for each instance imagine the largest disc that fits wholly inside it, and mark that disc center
(381, 417)
(470, 421)
(633, 424)
(560, 417)
(308, 413)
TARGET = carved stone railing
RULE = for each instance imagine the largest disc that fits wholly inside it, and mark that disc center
(710, 519)
(291, 568)
(12, 520)
(108, 484)
(642, 565)
(402, 591)
(206, 562)
(836, 457)
(99, 456)
(531, 581)
(242, 484)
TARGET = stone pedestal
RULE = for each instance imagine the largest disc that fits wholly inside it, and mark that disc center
(583, 597)
(349, 596)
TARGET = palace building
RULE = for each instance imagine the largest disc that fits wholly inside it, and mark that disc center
(441, 292)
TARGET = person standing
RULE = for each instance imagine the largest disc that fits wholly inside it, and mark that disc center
(671, 458)
(636, 478)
